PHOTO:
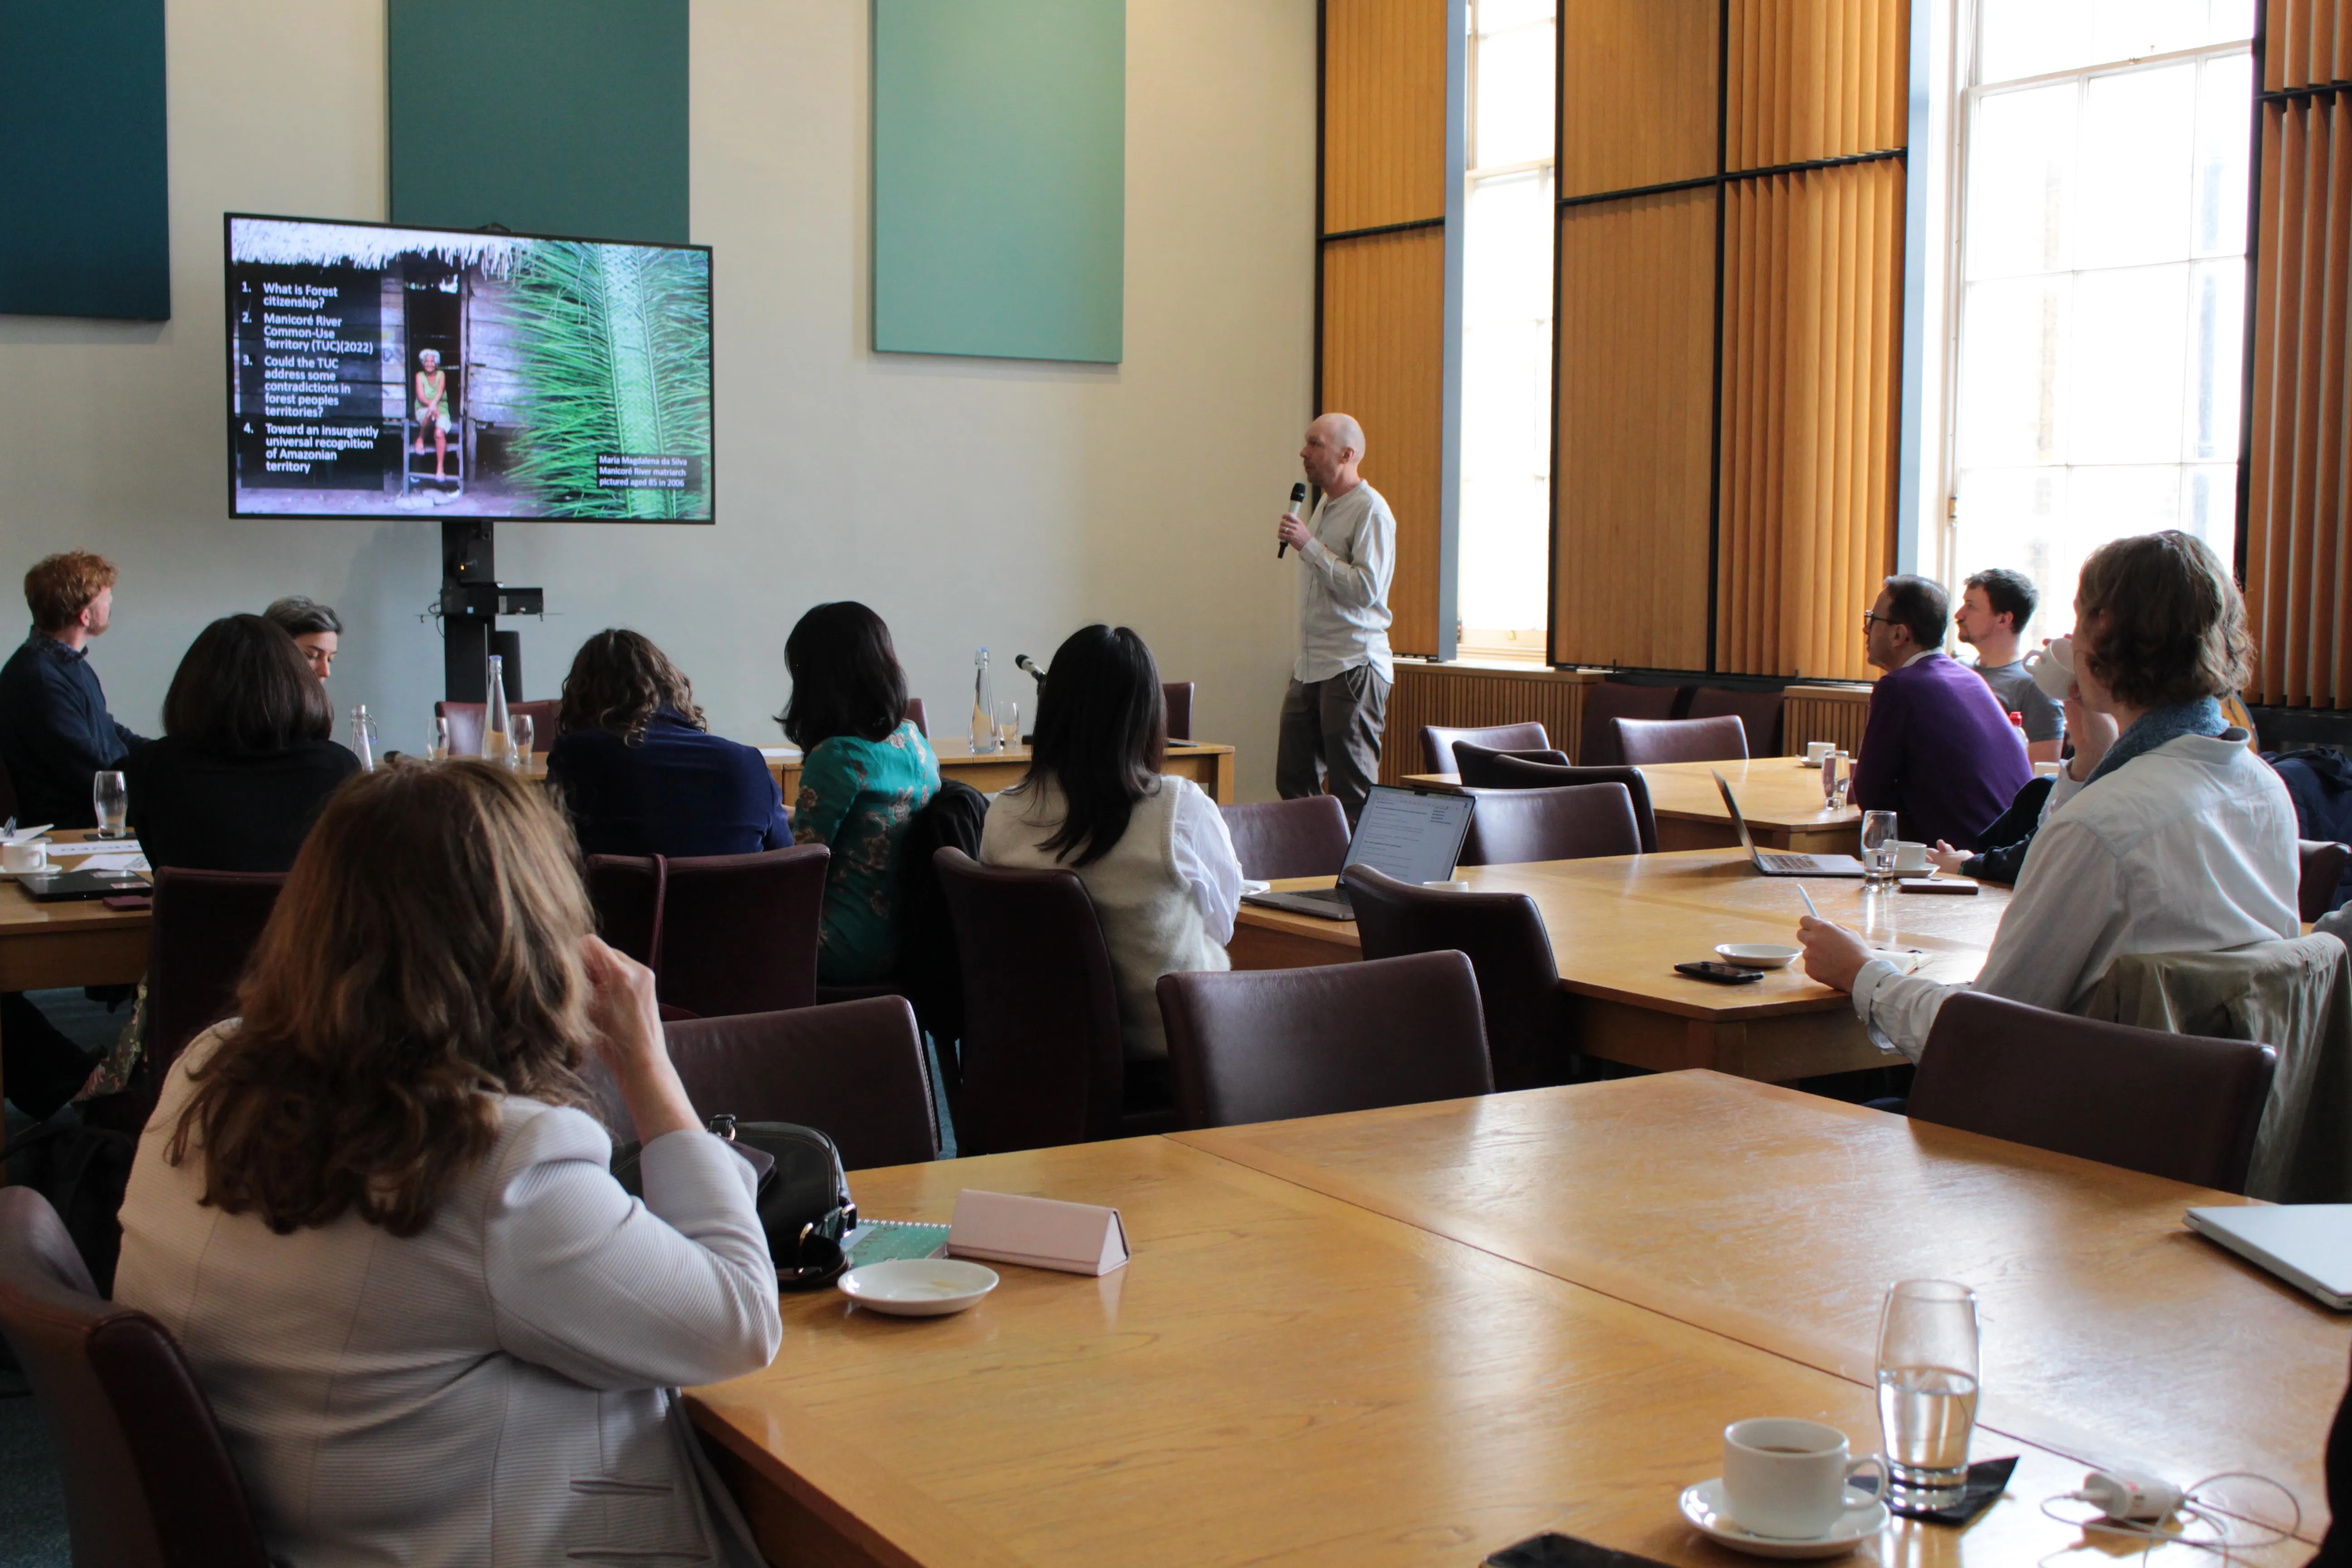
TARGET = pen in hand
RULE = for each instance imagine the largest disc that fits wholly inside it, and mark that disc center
(1808, 901)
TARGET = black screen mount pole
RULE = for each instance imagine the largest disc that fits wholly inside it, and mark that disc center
(472, 600)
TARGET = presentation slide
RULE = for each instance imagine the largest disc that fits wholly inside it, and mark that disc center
(382, 371)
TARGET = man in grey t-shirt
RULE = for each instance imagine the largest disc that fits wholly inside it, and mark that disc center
(1993, 613)
(1338, 704)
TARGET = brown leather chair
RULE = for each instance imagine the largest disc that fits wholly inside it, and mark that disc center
(1302, 838)
(1578, 822)
(2323, 872)
(1265, 1044)
(205, 927)
(466, 725)
(1503, 770)
(1530, 1038)
(1043, 1062)
(914, 711)
(723, 933)
(855, 1072)
(148, 1481)
(1758, 713)
(1609, 701)
(1474, 764)
(1644, 742)
(1437, 742)
(2171, 1105)
(1179, 696)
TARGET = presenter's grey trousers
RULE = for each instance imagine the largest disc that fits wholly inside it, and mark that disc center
(1331, 728)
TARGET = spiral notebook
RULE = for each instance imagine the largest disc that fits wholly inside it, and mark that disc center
(881, 1240)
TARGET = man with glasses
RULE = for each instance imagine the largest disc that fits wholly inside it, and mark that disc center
(1939, 751)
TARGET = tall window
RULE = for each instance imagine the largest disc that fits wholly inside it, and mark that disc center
(1506, 331)
(2102, 282)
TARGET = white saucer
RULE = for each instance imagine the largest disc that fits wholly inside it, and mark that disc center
(918, 1287)
(1757, 955)
(1703, 1506)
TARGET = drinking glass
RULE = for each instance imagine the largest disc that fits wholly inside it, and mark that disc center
(1008, 725)
(1927, 1390)
(437, 749)
(114, 802)
(1878, 849)
(363, 738)
(522, 731)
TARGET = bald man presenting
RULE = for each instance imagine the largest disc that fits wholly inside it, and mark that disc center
(1338, 699)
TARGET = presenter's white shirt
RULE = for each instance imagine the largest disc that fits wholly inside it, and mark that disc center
(1343, 586)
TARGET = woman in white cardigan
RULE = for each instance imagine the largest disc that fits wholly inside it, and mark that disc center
(377, 1211)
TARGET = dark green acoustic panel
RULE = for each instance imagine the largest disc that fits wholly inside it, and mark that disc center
(1000, 163)
(85, 223)
(547, 116)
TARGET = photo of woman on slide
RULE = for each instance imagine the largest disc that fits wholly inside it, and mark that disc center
(432, 408)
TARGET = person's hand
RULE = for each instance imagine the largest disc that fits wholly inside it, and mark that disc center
(1946, 858)
(2092, 731)
(627, 1021)
(1292, 532)
(1833, 955)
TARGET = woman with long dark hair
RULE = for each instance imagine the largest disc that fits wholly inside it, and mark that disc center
(1151, 848)
(865, 770)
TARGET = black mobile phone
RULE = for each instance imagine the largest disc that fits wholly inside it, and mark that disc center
(1720, 974)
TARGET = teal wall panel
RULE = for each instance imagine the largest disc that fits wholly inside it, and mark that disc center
(85, 224)
(547, 116)
(1000, 194)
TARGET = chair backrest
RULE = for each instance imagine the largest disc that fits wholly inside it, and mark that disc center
(8, 794)
(1265, 1045)
(466, 725)
(206, 925)
(723, 933)
(1179, 695)
(2322, 871)
(1437, 742)
(1506, 772)
(1043, 1063)
(1475, 763)
(914, 711)
(1574, 822)
(855, 1072)
(1528, 1037)
(929, 972)
(148, 1481)
(1610, 701)
(1643, 742)
(2170, 1105)
(1302, 838)
(1759, 712)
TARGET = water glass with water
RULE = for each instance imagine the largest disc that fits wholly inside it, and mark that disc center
(112, 800)
(1878, 845)
(363, 738)
(437, 749)
(1927, 1390)
(523, 726)
(1008, 725)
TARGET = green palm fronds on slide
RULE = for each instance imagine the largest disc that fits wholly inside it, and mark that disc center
(615, 358)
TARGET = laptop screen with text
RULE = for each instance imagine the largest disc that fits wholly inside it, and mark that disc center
(1412, 837)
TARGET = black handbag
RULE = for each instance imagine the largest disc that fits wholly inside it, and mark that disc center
(803, 1195)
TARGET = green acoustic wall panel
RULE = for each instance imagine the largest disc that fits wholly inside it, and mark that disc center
(1000, 197)
(85, 225)
(547, 116)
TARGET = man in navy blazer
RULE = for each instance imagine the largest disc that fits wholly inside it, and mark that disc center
(1939, 751)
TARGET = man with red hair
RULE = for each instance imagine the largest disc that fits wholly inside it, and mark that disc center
(55, 731)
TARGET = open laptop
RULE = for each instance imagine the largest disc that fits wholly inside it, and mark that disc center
(1413, 835)
(1782, 862)
(2306, 1245)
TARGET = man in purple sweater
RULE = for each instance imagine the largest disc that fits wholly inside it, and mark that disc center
(1939, 749)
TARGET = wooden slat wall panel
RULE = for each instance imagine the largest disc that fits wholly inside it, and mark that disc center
(1636, 366)
(1383, 113)
(1467, 698)
(2306, 43)
(1825, 713)
(1811, 340)
(1637, 93)
(1815, 79)
(1384, 360)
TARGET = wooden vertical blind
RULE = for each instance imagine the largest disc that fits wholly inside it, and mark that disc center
(2298, 557)
(1815, 79)
(1636, 107)
(1383, 113)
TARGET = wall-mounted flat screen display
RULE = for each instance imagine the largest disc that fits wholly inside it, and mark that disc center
(383, 371)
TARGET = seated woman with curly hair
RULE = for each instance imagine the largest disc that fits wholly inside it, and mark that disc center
(377, 1209)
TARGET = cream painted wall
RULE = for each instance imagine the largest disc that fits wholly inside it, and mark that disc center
(970, 501)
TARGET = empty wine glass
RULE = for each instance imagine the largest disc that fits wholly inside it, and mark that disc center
(1008, 725)
(521, 728)
(112, 800)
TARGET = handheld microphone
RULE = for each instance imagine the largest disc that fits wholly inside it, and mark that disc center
(1297, 498)
(1020, 661)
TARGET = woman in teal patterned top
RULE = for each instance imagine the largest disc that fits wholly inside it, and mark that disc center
(865, 772)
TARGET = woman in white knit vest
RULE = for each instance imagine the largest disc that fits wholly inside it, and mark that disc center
(1152, 849)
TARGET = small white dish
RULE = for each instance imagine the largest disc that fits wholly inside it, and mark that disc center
(1756, 954)
(918, 1287)
(1703, 1506)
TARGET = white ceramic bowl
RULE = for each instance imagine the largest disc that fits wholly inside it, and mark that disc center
(1756, 954)
(919, 1287)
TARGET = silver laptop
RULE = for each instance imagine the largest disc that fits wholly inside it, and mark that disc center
(1413, 835)
(1782, 862)
(2309, 1246)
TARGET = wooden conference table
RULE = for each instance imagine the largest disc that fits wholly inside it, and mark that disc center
(1208, 766)
(1620, 925)
(47, 946)
(1416, 1336)
(1780, 797)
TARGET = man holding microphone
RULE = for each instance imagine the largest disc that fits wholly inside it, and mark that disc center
(1339, 697)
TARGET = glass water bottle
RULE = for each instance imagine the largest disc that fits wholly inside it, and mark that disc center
(984, 708)
(496, 747)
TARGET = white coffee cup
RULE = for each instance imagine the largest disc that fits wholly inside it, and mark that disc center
(1448, 887)
(1816, 750)
(1910, 859)
(22, 857)
(1787, 1479)
(2053, 668)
